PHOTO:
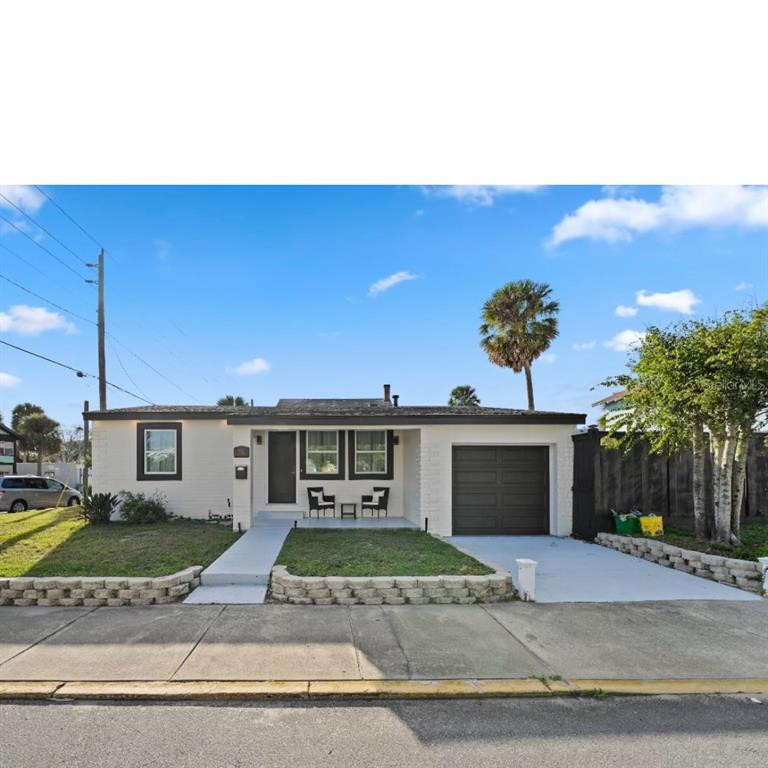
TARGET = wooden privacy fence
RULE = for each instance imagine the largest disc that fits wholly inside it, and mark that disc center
(605, 479)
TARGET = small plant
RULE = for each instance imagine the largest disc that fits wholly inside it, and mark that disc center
(138, 508)
(97, 508)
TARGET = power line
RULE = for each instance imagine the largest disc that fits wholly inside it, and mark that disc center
(80, 374)
(112, 337)
(130, 378)
(43, 248)
(41, 227)
(152, 368)
(47, 301)
(21, 258)
(79, 226)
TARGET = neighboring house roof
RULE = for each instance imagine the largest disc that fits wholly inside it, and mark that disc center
(614, 397)
(9, 432)
(335, 411)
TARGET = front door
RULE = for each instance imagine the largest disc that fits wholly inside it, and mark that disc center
(282, 468)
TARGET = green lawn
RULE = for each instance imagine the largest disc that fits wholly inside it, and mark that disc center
(387, 552)
(754, 536)
(56, 542)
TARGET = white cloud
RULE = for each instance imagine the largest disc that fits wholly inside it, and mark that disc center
(623, 311)
(625, 340)
(390, 282)
(481, 195)
(585, 345)
(675, 301)
(31, 321)
(615, 219)
(743, 286)
(8, 379)
(252, 367)
(26, 198)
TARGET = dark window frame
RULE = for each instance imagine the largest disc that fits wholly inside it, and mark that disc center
(303, 474)
(141, 429)
(389, 474)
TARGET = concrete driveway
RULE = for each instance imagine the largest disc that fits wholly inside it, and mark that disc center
(571, 571)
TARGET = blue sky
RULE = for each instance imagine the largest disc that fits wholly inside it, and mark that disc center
(275, 292)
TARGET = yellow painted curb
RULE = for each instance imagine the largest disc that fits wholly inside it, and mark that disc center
(504, 687)
(679, 686)
(393, 689)
(224, 690)
(28, 689)
(185, 690)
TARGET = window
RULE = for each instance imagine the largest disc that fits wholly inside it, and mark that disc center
(322, 454)
(35, 483)
(158, 451)
(371, 452)
(54, 485)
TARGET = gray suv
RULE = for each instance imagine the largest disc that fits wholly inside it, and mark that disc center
(21, 492)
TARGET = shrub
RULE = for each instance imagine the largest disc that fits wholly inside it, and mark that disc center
(97, 508)
(138, 508)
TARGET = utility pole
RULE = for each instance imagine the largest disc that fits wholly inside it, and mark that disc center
(102, 353)
(86, 439)
(101, 332)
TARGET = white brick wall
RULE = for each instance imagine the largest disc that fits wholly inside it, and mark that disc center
(437, 442)
(206, 465)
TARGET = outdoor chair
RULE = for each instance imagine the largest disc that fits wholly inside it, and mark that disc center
(319, 502)
(376, 502)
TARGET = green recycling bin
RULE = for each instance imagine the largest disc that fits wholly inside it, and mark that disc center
(626, 525)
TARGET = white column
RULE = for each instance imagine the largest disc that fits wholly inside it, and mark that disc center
(241, 489)
(526, 578)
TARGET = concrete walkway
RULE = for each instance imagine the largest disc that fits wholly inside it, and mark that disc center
(572, 571)
(274, 642)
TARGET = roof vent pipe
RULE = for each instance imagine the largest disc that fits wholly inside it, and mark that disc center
(395, 398)
(386, 393)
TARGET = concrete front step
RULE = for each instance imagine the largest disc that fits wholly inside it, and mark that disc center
(228, 594)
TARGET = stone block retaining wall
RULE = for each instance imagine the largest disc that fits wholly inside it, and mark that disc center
(97, 590)
(388, 590)
(744, 574)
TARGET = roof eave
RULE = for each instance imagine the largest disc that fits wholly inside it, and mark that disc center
(394, 420)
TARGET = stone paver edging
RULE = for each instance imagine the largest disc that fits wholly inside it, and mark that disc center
(388, 590)
(98, 590)
(237, 690)
(743, 574)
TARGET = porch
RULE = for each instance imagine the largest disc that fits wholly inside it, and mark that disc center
(277, 468)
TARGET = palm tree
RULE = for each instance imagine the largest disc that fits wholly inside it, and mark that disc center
(40, 434)
(231, 400)
(519, 324)
(464, 395)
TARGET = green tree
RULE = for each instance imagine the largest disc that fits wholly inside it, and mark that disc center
(40, 434)
(231, 400)
(519, 324)
(21, 411)
(464, 395)
(696, 383)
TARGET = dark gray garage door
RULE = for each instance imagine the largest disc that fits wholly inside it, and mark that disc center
(500, 489)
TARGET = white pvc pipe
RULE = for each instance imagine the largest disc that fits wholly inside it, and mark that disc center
(764, 565)
(526, 578)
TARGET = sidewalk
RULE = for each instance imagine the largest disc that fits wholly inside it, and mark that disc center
(644, 641)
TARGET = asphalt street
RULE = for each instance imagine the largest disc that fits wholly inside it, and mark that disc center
(670, 731)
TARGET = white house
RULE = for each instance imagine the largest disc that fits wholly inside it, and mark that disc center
(456, 470)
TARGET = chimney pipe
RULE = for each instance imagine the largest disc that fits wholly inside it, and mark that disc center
(395, 398)
(386, 393)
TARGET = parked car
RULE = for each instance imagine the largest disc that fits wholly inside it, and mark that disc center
(21, 492)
